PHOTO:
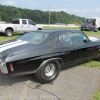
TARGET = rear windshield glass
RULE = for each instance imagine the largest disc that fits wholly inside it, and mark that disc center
(15, 21)
(34, 37)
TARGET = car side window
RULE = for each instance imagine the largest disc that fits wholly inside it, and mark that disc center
(24, 22)
(77, 38)
(31, 22)
(64, 39)
(15, 21)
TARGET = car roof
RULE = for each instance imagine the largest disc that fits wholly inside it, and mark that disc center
(58, 31)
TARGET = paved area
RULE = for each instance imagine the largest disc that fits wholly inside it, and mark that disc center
(76, 83)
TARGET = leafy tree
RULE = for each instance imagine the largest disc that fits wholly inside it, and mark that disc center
(7, 13)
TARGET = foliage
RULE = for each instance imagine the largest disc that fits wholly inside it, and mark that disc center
(7, 13)
(97, 95)
(92, 64)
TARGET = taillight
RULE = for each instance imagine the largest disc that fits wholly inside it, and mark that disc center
(11, 67)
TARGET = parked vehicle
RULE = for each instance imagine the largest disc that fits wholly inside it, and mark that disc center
(43, 53)
(91, 24)
(19, 25)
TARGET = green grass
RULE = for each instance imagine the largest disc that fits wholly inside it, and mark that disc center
(92, 64)
(5, 38)
(92, 33)
(58, 28)
(97, 95)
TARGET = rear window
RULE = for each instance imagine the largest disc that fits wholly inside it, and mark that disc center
(15, 21)
(34, 37)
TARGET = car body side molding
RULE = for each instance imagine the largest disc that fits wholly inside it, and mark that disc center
(61, 62)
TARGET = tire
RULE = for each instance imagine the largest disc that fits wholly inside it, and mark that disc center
(98, 58)
(48, 71)
(8, 32)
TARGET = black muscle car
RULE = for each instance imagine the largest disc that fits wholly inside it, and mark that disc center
(43, 53)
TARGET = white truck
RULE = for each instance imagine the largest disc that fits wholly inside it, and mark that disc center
(19, 25)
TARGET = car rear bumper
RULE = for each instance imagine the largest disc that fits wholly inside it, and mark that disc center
(3, 67)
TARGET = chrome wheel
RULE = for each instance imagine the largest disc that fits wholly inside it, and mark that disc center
(9, 32)
(50, 70)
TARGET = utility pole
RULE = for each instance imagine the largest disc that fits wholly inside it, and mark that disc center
(49, 13)
(76, 18)
(0, 15)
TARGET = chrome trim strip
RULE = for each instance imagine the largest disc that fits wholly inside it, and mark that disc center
(49, 60)
(3, 67)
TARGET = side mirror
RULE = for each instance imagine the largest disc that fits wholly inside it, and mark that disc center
(86, 41)
(34, 24)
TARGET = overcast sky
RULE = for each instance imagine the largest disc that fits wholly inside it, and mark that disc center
(83, 8)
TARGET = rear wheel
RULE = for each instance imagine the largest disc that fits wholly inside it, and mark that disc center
(48, 71)
(8, 32)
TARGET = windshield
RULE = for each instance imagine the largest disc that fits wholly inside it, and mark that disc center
(34, 37)
(91, 20)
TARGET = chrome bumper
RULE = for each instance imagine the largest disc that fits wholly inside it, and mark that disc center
(3, 67)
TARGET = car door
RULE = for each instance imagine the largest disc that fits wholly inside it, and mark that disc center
(31, 25)
(83, 48)
(66, 48)
(24, 26)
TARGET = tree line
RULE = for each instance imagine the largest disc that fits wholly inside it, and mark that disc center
(7, 13)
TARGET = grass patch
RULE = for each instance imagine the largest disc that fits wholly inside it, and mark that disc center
(92, 33)
(92, 64)
(59, 28)
(5, 38)
(97, 95)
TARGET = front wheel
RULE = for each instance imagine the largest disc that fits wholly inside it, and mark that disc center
(8, 32)
(48, 71)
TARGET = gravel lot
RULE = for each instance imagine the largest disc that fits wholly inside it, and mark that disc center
(75, 83)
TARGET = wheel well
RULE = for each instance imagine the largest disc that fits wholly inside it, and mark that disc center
(98, 28)
(59, 59)
(9, 29)
(39, 29)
